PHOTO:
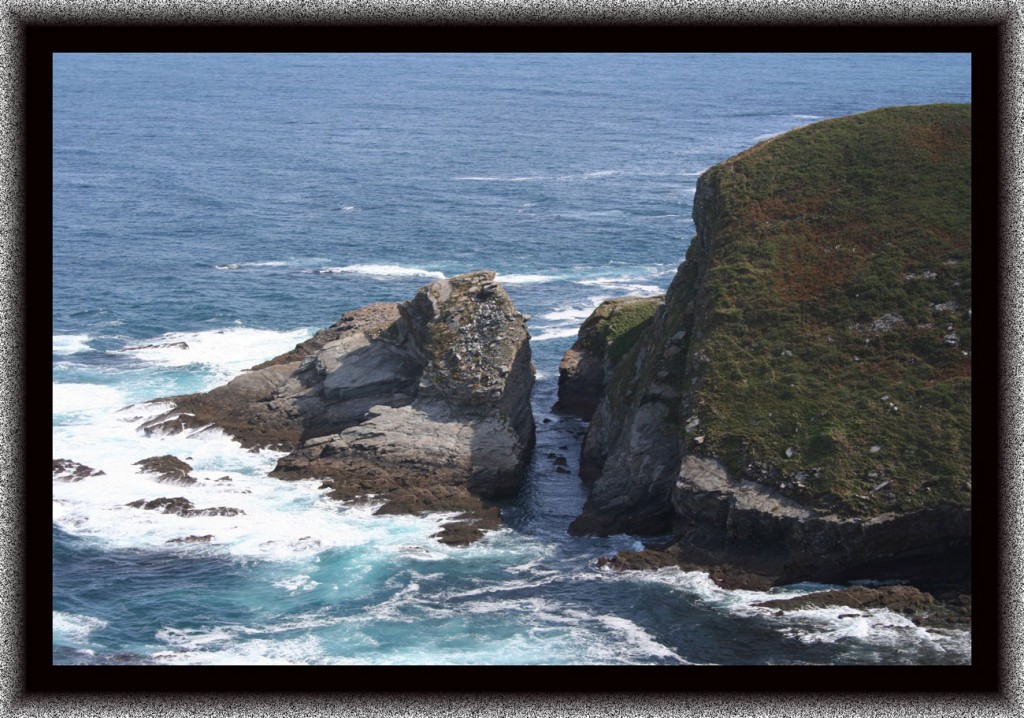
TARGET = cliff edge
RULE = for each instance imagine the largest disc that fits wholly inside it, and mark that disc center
(800, 404)
(423, 405)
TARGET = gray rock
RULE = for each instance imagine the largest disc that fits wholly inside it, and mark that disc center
(168, 469)
(70, 471)
(423, 404)
(599, 346)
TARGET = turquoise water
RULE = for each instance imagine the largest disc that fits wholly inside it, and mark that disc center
(239, 202)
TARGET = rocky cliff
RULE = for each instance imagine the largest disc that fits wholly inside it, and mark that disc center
(604, 338)
(425, 405)
(800, 405)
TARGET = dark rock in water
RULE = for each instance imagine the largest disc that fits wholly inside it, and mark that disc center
(182, 507)
(901, 599)
(179, 505)
(469, 528)
(193, 539)
(169, 469)
(604, 338)
(920, 607)
(169, 345)
(726, 575)
(743, 418)
(69, 471)
(423, 404)
(215, 511)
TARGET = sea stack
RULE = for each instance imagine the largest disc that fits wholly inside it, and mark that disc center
(799, 406)
(423, 405)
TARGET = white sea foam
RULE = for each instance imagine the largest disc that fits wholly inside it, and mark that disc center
(75, 627)
(626, 284)
(637, 642)
(383, 270)
(599, 173)
(78, 397)
(875, 629)
(70, 343)
(527, 278)
(495, 178)
(290, 262)
(549, 334)
(225, 351)
(808, 117)
(220, 647)
(282, 521)
(298, 583)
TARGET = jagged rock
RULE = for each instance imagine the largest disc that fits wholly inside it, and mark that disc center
(169, 469)
(67, 470)
(920, 607)
(423, 404)
(603, 339)
(182, 507)
(178, 505)
(901, 599)
(169, 345)
(469, 528)
(193, 539)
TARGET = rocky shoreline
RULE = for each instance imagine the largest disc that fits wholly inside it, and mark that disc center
(771, 456)
(744, 420)
(422, 406)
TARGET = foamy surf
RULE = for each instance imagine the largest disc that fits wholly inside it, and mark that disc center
(65, 344)
(268, 518)
(886, 633)
(383, 271)
(527, 278)
(75, 628)
(224, 352)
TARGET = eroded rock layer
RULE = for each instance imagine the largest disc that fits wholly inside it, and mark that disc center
(423, 405)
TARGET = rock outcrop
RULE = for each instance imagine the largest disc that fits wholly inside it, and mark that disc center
(796, 408)
(604, 338)
(423, 405)
(181, 506)
(71, 471)
(168, 470)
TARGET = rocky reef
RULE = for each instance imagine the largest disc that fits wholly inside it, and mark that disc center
(799, 407)
(422, 405)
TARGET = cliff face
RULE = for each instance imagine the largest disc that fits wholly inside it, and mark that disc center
(604, 338)
(800, 403)
(424, 404)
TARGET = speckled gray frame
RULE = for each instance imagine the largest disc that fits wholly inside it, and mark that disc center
(14, 395)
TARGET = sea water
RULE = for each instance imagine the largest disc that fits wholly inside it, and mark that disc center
(234, 204)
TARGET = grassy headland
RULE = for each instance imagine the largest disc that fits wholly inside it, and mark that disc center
(831, 345)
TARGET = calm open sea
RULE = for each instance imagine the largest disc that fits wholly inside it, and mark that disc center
(237, 203)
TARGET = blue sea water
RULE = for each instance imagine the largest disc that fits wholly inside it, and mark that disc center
(239, 202)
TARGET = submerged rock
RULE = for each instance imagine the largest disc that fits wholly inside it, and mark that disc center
(168, 469)
(70, 471)
(193, 539)
(182, 507)
(425, 405)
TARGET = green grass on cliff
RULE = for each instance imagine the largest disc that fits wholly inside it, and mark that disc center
(616, 325)
(836, 312)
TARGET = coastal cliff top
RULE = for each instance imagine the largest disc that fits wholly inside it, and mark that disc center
(831, 355)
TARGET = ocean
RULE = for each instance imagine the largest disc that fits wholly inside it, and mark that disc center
(238, 203)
